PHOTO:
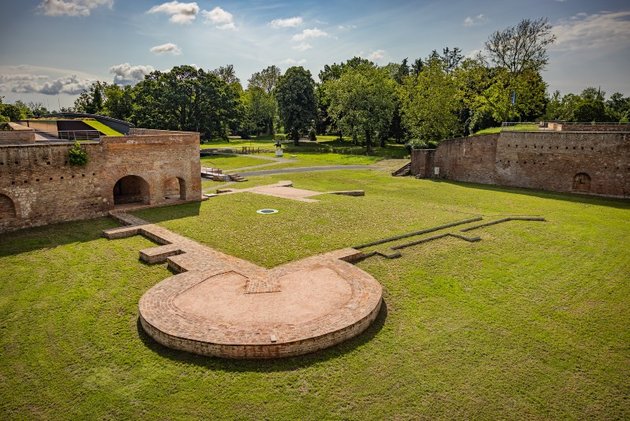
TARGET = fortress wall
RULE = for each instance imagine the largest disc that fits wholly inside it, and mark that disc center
(583, 162)
(38, 186)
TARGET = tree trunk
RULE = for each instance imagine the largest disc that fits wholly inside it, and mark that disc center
(368, 142)
(295, 134)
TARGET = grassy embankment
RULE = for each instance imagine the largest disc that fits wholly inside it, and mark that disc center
(531, 322)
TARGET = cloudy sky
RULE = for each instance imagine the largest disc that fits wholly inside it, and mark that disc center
(51, 49)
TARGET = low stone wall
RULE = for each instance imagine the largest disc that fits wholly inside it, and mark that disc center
(595, 163)
(11, 137)
(44, 188)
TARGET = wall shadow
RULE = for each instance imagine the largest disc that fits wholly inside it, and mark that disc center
(271, 365)
(54, 235)
(543, 194)
(168, 212)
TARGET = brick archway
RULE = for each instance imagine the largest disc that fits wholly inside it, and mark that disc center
(582, 182)
(7, 208)
(131, 189)
(175, 188)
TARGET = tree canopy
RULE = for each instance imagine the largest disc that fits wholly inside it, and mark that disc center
(296, 101)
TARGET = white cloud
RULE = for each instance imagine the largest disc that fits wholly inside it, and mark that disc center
(182, 13)
(294, 62)
(219, 18)
(605, 30)
(70, 85)
(126, 74)
(72, 7)
(376, 55)
(480, 19)
(286, 23)
(303, 46)
(309, 33)
(346, 27)
(168, 48)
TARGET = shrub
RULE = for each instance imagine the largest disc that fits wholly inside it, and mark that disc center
(312, 135)
(77, 155)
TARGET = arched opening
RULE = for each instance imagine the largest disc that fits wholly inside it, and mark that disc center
(7, 208)
(582, 182)
(175, 188)
(131, 189)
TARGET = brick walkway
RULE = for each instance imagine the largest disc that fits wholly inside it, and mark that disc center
(223, 306)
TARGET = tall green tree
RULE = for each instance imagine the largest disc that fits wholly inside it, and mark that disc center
(118, 101)
(362, 102)
(186, 98)
(430, 104)
(91, 101)
(296, 101)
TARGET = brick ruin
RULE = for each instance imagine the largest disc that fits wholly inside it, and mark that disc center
(38, 186)
(586, 162)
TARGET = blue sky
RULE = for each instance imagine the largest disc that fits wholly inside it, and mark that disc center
(51, 49)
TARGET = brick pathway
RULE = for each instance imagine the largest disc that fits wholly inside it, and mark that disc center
(223, 306)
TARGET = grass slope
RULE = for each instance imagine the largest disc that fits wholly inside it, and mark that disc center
(97, 125)
(530, 322)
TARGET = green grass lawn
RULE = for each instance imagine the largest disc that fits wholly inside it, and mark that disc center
(230, 162)
(520, 127)
(531, 322)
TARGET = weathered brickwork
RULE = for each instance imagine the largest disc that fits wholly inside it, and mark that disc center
(153, 168)
(595, 163)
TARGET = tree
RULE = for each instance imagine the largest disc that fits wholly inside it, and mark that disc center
(260, 111)
(118, 101)
(296, 101)
(591, 107)
(226, 74)
(430, 104)
(618, 107)
(261, 99)
(521, 47)
(362, 102)
(451, 58)
(186, 98)
(91, 100)
(267, 79)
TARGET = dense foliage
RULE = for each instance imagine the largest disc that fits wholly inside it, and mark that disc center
(422, 101)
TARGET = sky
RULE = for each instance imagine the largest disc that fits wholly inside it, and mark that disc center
(50, 50)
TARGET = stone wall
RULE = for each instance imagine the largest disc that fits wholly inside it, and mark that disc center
(10, 137)
(44, 188)
(583, 162)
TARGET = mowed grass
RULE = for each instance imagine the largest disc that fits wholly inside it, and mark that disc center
(531, 322)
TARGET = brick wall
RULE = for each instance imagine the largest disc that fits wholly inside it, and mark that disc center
(583, 162)
(44, 188)
(10, 137)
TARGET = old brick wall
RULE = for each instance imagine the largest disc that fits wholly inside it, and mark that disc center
(9, 137)
(583, 162)
(44, 188)
(466, 159)
(551, 161)
(422, 162)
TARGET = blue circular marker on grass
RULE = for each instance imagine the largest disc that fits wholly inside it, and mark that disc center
(267, 211)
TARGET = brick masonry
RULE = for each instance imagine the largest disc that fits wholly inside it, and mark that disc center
(219, 305)
(596, 163)
(38, 186)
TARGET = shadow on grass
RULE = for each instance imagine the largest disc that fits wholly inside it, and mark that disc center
(568, 197)
(167, 213)
(54, 235)
(266, 366)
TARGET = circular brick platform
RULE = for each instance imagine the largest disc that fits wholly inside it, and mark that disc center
(290, 310)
